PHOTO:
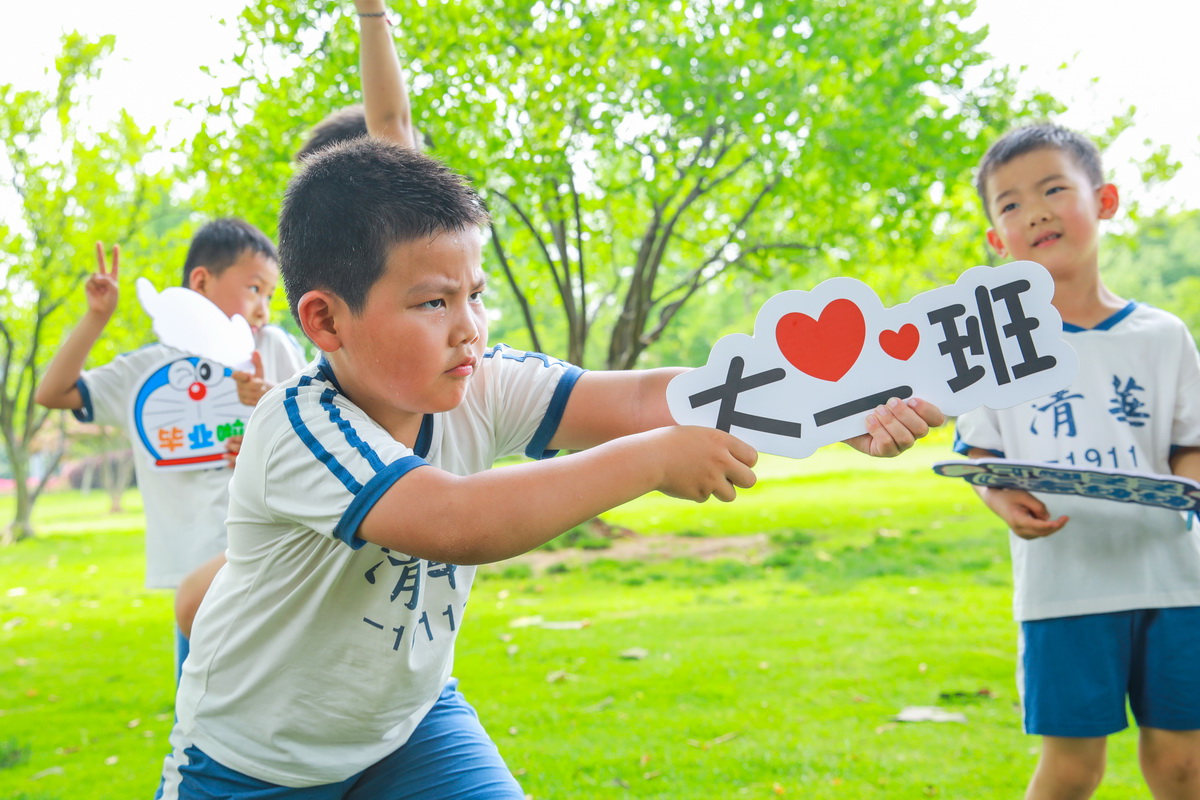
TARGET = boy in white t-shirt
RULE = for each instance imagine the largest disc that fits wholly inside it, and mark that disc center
(363, 497)
(385, 113)
(234, 265)
(1107, 594)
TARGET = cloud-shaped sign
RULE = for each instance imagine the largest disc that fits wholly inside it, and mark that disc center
(189, 321)
(820, 360)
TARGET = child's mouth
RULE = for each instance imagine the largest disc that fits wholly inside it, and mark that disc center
(1047, 239)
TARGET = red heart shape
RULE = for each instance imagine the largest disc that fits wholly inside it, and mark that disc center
(825, 348)
(900, 344)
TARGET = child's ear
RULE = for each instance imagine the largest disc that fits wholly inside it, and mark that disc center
(198, 278)
(997, 243)
(1109, 199)
(318, 312)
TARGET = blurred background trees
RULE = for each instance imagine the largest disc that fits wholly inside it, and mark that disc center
(655, 170)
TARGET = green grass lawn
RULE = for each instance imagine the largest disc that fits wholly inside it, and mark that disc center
(885, 587)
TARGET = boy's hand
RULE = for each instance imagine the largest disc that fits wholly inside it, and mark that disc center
(101, 288)
(233, 446)
(895, 427)
(251, 386)
(700, 463)
(1025, 515)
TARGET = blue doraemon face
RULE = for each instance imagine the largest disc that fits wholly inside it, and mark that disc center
(185, 410)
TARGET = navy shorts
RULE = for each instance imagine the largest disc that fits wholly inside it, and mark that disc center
(1076, 673)
(448, 757)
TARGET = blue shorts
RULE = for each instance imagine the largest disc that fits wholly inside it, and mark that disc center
(448, 757)
(1075, 673)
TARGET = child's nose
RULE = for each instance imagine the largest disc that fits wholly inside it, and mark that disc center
(466, 330)
(1039, 213)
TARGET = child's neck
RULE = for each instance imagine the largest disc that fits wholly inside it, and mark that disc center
(1084, 301)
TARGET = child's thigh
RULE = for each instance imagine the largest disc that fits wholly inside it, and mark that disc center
(1164, 687)
(1074, 674)
(448, 757)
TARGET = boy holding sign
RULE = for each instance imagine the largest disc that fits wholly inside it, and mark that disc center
(363, 497)
(1107, 594)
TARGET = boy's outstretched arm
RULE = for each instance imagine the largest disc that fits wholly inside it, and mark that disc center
(605, 405)
(500, 513)
(385, 96)
(57, 388)
(1025, 515)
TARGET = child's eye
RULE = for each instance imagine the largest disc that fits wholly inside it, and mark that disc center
(477, 297)
(256, 290)
(1007, 207)
(1055, 190)
(432, 304)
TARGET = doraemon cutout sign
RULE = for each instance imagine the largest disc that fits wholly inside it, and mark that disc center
(820, 360)
(184, 411)
(186, 407)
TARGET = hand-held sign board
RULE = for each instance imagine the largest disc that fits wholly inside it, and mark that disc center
(1163, 491)
(184, 408)
(819, 361)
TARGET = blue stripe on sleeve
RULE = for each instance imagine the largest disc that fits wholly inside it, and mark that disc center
(558, 402)
(365, 500)
(84, 413)
(352, 438)
(964, 448)
(310, 441)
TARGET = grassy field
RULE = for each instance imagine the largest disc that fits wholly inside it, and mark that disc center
(883, 586)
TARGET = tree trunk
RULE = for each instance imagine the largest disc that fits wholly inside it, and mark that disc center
(21, 526)
(121, 472)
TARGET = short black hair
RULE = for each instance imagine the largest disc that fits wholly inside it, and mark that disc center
(1039, 136)
(221, 242)
(350, 204)
(340, 126)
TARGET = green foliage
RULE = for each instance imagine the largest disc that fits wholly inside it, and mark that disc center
(76, 186)
(1159, 263)
(642, 158)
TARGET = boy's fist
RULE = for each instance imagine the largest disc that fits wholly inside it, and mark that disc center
(896, 426)
(699, 463)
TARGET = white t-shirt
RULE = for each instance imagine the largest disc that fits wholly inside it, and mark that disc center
(315, 654)
(185, 511)
(1137, 396)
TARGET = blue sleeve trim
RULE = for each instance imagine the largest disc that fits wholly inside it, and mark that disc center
(85, 413)
(365, 500)
(964, 448)
(310, 441)
(352, 438)
(558, 402)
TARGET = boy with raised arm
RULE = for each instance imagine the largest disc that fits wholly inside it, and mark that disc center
(363, 497)
(386, 114)
(232, 264)
(1107, 594)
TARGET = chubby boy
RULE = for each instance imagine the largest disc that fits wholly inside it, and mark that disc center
(363, 497)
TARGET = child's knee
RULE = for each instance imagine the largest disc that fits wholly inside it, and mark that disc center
(1075, 767)
(1171, 757)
